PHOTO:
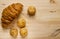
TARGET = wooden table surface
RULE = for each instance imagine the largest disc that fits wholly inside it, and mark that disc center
(42, 25)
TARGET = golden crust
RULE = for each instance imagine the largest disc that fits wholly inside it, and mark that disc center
(13, 32)
(11, 12)
(21, 23)
(6, 15)
(23, 32)
(31, 10)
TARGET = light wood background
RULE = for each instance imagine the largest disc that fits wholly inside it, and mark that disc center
(42, 25)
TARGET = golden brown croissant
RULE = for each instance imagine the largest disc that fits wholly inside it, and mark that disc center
(10, 13)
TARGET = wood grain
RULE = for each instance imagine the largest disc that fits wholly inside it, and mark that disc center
(42, 25)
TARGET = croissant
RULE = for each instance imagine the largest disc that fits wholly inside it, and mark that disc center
(10, 13)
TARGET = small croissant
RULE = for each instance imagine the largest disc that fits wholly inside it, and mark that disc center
(10, 13)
